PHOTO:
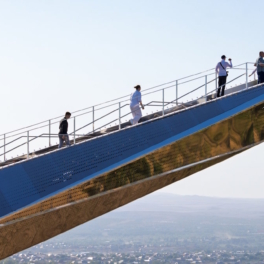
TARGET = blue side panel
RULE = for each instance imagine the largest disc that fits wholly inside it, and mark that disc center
(36, 179)
(4, 205)
(16, 184)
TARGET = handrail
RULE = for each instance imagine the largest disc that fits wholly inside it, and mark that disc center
(148, 104)
(225, 84)
(192, 91)
(92, 110)
(113, 100)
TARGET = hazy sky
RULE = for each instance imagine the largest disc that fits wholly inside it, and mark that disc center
(66, 55)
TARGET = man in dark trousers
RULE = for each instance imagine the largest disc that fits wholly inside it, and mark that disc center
(63, 135)
(222, 74)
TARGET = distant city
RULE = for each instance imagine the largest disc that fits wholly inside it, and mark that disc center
(162, 228)
(218, 257)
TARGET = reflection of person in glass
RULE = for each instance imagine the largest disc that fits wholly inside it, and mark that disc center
(135, 101)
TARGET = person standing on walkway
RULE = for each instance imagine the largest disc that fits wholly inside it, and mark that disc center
(63, 133)
(222, 74)
(260, 67)
(135, 101)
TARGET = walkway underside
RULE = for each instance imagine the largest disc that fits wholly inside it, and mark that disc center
(130, 181)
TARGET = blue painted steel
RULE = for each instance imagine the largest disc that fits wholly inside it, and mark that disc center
(28, 182)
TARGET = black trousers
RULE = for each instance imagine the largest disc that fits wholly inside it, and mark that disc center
(221, 81)
(260, 77)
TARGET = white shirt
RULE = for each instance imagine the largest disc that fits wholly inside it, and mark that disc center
(219, 69)
(135, 98)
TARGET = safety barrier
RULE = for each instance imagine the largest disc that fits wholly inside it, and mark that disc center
(97, 119)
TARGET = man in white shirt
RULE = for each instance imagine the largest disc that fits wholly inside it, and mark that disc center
(222, 74)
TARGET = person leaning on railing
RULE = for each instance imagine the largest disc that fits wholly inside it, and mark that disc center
(260, 67)
(222, 74)
(63, 133)
(135, 101)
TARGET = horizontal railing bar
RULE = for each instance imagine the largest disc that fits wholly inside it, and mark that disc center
(109, 101)
(95, 110)
(101, 108)
(193, 90)
(98, 109)
(101, 127)
(187, 94)
(10, 142)
(152, 103)
(159, 102)
(47, 135)
(83, 135)
(96, 120)
(213, 89)
(240, 69)
(240, 64)
(113, 110)
(224, 84)
(196, 78)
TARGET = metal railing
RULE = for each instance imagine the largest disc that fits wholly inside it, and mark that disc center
(103, 116)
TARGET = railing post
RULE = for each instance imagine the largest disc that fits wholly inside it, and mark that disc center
(163, 101)
(27, 144)
(4, 147)
(216, 82)
(74, 130)
(119, 117)
(176, 92)
(93, 119)
(205, 88)
(246, 75)
(49, 133)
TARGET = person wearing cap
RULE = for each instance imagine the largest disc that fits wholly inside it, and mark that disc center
(135, 101)
(63, 133)
(222, 74)
(260, 67)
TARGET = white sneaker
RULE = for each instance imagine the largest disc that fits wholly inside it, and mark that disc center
(131, 122)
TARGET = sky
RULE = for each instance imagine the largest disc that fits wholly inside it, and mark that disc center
(67, 55)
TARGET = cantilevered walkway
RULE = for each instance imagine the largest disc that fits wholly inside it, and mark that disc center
(45, 191)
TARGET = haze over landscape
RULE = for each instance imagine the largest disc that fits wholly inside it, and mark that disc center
(162, 228)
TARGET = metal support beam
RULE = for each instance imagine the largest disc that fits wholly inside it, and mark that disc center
(216, 82)
(93, 118)
(246, 75)
(4, 147)
(74, 130)
(176, 92)
(49, 133)
(205, 88)
(27, 144)
(163, 102)
(119, 117)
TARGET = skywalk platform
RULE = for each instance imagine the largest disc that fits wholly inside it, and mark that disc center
(50, 191)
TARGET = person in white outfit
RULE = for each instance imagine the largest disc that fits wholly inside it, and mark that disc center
(135, 101)
(222, 74)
